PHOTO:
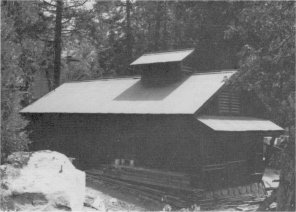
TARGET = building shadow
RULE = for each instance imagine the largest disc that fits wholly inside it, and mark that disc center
(143, 92)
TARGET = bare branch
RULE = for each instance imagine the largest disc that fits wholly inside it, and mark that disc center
(46, 9)
(76, 5)
(49, 4)
(45, 38)
(69, 30)
(66, 21)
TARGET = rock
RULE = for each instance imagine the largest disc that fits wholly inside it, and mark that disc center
(99, 204)
(224, 192)
(231, 191)
(254, 188)
(43, 181)
(167, 208)
(113, 201)
(195, 207)
(242, 189)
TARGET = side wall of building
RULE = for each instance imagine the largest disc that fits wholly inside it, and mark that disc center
(233, 158)
(154, 141)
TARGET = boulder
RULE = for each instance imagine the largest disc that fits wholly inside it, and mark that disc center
(43, 181)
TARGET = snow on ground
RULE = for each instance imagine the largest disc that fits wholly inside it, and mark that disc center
(100, 197)
(97, 200)
(269, 176)
(271, 179)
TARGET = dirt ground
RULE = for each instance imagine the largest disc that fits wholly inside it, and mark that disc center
(113, 199)
(101, 197)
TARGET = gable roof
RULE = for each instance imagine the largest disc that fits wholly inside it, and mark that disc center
(129, 96)
(163, 57)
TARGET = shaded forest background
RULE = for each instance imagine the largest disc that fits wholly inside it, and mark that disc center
(45, 43)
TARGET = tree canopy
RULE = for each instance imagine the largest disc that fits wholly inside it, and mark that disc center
(257, 38)
(45, 43)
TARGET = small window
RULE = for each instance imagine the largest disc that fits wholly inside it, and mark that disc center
(229, 102)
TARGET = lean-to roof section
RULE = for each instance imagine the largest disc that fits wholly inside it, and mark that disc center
(239, 124)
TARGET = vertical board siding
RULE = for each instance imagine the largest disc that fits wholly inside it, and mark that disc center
(173, 143)
(165, 142)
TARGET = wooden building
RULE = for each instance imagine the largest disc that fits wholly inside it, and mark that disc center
(169, 119)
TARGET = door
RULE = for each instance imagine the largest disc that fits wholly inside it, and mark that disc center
(214, 167)
(236, 158)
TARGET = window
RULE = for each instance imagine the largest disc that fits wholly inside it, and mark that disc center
(229, 102)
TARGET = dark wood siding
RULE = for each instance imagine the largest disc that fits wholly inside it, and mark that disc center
(161, 73)
(175, 143)
(236, 103)
(162, 142)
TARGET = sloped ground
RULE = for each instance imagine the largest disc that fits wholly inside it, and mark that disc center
(97, 200)
(106, 197)
(101, 197)
(114, 199)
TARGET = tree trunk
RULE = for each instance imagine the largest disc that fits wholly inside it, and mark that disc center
(58, 44)
(157, 26)
(284, 196)
(177, 30)
(165, 30)
(286, 190)
(129, 47)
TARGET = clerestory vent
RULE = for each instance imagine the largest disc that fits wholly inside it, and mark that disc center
(161, 68)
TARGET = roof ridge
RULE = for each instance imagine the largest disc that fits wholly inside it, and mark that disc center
(139, 77)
